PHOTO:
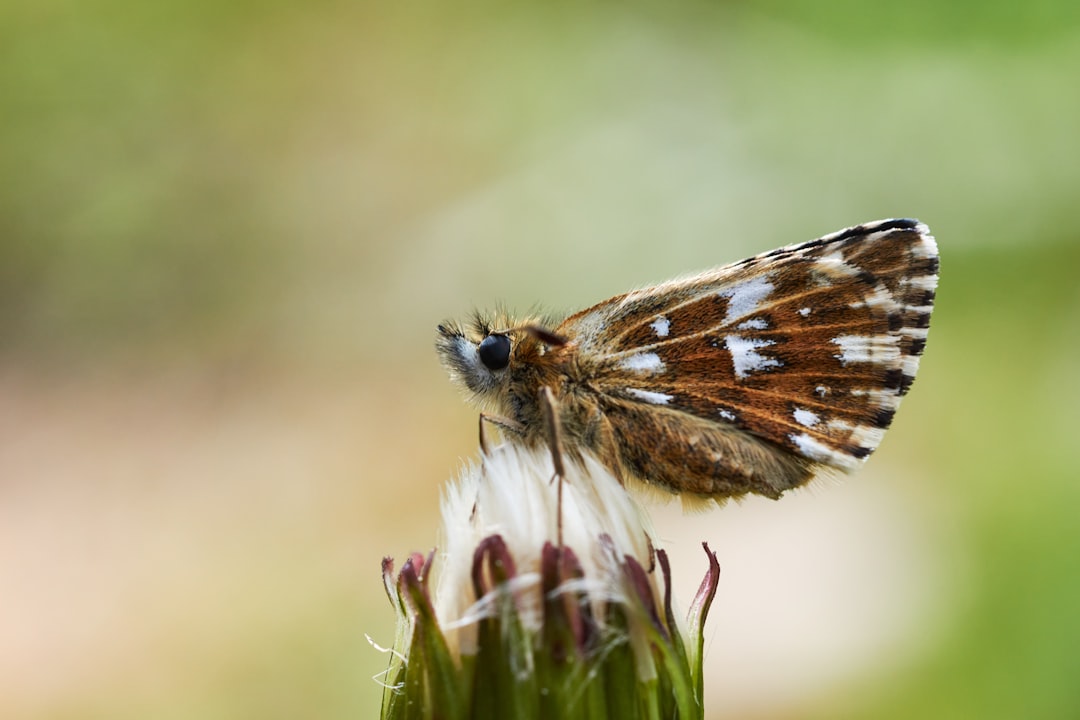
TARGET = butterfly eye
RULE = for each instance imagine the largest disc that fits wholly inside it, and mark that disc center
(495, 352)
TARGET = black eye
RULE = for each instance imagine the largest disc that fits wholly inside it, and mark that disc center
(495, 352)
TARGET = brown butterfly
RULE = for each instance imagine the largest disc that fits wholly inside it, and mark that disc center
(744, 379)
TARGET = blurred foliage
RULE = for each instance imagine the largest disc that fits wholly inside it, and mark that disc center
(299, 187)
(178, 171)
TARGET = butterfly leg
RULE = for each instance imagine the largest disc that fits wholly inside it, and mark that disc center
(553, 432)
(607, 447)
(503, 423)
(553, 429)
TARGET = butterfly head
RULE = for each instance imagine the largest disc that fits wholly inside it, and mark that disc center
(477, 356)
(482, 354)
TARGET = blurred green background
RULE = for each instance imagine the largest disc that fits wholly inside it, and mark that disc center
(227, 231)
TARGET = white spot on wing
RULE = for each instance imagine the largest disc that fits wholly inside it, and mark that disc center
(744, 355)
(744, 297)
(928, 246)
(806, 418)
(656, 398)
(914, 332)
(804, 311)
(589, 328)
(911, 365)
(923, 282)
(726, 414)
(820, 452)
(643, 363)
(835, 266)
(753, 324)
(877, 398)
(881, 298)
(880, 349)
(839, 425)
(821, 391)
(661, 326)
(866, 436)
(835, 256)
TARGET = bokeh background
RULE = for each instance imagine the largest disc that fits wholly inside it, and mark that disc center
(227, 231)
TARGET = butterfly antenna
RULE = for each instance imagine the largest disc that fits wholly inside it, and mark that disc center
(549, 338)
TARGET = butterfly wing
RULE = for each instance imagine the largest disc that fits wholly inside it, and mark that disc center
(749, 377)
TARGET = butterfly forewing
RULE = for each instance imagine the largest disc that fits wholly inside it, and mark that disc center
(808, 348)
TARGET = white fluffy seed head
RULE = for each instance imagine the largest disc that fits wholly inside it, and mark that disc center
(511, 494)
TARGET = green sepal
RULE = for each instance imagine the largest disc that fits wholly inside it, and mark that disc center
(433, 684)
(504, 682)
(695, 620)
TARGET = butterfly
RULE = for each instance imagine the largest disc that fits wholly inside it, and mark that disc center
(748, 378)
